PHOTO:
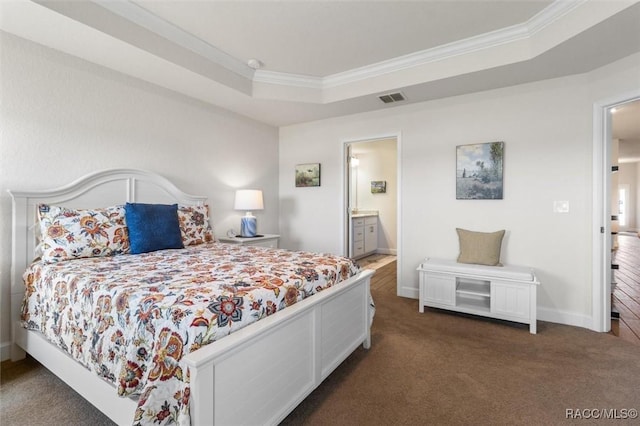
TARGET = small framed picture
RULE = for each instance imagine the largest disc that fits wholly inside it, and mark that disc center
(378, 186)
(307, 175)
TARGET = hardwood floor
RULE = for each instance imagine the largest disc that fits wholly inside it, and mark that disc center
(385, 276)
(375, 261)
(626, 295)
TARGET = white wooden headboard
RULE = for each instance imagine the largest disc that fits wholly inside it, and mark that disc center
(100, 189)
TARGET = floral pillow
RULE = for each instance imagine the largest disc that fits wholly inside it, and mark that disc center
(194, 224)
(70, 233)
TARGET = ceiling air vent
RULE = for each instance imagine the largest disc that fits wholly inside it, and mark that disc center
(392, 97)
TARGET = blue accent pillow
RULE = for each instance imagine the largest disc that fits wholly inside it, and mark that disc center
(153, 227)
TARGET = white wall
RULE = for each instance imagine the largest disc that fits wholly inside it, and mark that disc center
(378, 161)
(63, 117)
(628, 175)
(547, 130)
(638, 198)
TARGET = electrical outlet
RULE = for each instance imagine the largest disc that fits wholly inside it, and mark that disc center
(561, 206)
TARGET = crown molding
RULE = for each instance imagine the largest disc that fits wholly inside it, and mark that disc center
(552, 13)
(288, 79)
(514, 33)
(140, 16)
(506, 35)
(484, 41)
(439, 53)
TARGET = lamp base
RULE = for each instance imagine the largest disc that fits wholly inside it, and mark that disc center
(248, 226)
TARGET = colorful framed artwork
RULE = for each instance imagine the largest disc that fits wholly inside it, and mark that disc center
(307, 175)
(378, 186)
(479, 171)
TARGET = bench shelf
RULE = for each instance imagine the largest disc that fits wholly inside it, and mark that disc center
(502, 292)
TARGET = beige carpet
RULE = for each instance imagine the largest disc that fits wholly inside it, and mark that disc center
(30, 395)
(423, 369)
(441, 368)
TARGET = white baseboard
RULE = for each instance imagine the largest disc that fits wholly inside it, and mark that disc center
(409, 292)
(632, 230)
(390, 251)
(565, 318)
(5, 351)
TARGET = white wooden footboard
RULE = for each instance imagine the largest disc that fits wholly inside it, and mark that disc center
(259, 374)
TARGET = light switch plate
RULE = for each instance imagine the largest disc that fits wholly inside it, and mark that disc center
(561, 206)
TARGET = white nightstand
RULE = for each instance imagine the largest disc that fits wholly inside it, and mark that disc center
(266, 240)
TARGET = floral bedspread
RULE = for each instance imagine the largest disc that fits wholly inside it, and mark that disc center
(131, 318)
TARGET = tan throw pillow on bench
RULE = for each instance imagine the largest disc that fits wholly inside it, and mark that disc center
(480, 248)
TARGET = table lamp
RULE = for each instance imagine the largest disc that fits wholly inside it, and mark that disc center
(248, 199)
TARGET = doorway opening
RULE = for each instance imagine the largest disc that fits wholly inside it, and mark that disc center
(625, 254)
(605, 207)
(372, 201)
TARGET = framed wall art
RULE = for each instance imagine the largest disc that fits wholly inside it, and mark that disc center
(479, 171)
(307, 175)
(378, 186)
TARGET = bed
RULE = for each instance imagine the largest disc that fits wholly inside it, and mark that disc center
(256, 375)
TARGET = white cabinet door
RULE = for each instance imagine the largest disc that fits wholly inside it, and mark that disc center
(371, 234)
(439, 289)
(510, 300)
(364, 236)
(370, 238)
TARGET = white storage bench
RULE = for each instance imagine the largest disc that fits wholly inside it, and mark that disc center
(502, 292)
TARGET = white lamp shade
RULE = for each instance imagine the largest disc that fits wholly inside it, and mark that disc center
(249, 199)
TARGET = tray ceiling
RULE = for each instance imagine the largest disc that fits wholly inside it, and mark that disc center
(327, 58)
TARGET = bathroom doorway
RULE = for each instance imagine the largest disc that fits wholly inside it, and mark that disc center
(372, 213)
